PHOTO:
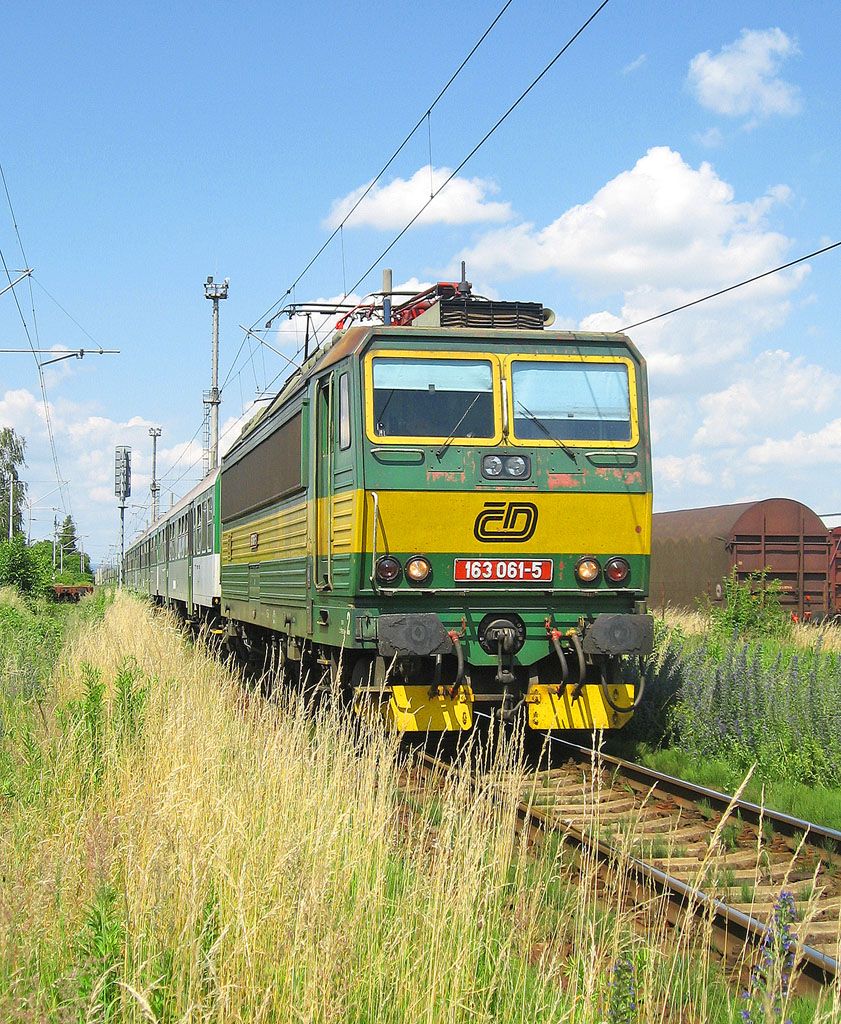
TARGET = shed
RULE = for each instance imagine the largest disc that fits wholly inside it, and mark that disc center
(692, 550)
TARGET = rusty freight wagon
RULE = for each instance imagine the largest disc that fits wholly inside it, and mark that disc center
(835, 568)
(694, 549)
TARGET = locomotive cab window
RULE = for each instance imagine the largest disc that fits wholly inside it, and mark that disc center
(569, 400)
(432, 398)
(344, 412)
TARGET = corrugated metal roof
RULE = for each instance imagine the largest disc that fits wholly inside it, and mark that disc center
(715, 520)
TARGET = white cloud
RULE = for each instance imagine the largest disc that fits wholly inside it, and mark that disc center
(663, 234)
(635, 65)
(21, 410)
(742, 78)
(821, 447)
(663, 222)
(771, 394)
(463, 201)
(85, 441)
(710, 139)
(675, 470)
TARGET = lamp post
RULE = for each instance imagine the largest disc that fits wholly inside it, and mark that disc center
(214, 291)
(154, 487)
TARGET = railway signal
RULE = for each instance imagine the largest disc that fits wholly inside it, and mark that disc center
(122, 488)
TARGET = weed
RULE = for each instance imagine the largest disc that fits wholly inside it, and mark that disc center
(622, 998)
(100, 954)
(730, 835)
(751, 608)
(130, 700)
(768, 993)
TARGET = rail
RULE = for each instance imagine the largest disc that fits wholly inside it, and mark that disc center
(703, 813)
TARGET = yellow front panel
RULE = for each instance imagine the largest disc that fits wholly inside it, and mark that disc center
(550, 709)
(443, 521)
(433, 522)
(411, 709)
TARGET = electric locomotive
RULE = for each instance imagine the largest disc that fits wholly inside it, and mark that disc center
(447, 511)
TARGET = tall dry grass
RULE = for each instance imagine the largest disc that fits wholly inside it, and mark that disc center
(803, 634)
(175, 851)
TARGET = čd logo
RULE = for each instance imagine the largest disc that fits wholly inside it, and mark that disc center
(506, 522)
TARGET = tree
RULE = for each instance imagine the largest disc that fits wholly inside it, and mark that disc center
(12, 460)
(67, 536)
(20, 568)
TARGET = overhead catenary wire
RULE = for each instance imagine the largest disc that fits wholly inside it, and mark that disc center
(491, 131)
(69, 316)
(64, 490)
(488, 134)
(434, 194)
(730, 288)
(424, 117)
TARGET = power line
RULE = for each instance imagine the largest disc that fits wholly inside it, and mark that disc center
(62, 484)
(434, 195)
(69, 316)
(478, 145)
(339, 228)
(389, 162)
(731, 288)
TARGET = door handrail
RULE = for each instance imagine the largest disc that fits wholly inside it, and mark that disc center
(373, 576)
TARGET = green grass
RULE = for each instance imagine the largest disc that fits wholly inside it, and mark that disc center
(816, 804)
(741, 691)
(173, 852)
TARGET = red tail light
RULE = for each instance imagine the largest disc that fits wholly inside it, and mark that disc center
(617, 570)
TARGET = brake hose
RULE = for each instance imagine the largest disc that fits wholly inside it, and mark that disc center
(636, 701)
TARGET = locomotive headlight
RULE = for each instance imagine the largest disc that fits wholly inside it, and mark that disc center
(516, 466)
(587, 570)
(617, 570)
(492, 465)
(388, 570)
(418, 569)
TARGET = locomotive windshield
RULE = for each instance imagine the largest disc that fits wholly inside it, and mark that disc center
(571, 401)
(434, 398)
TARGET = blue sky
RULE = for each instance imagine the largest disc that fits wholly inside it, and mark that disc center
(673, 150)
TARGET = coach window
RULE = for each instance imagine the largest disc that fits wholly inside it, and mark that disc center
(344, 412)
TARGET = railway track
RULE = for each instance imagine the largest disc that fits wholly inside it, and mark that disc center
(698, 851)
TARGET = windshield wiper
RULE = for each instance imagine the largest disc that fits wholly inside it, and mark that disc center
(452, 434)
(542, 426)
(379, 422)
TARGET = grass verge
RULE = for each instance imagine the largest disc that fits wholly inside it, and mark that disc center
(174, 850)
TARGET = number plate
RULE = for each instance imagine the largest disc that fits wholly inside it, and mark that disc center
(503, 570)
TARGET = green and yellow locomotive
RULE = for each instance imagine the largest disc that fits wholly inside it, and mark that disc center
(450, 511)
(447, 511)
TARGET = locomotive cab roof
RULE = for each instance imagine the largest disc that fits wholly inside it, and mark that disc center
(447, 309)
